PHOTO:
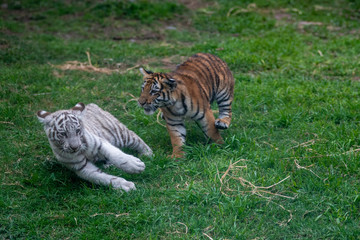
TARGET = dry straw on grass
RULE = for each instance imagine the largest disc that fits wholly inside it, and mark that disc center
(305, 145)
(179, 232)
(133, 99)
(13, 184)
(158, 118)
(88, 67)
(232, 173)
(249, 186)
(305, 168)
(207, 236)
(5, 122)
(110, 214)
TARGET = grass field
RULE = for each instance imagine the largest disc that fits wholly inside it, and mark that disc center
(289, 168)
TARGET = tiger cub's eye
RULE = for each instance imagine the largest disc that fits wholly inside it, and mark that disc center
(62, 134)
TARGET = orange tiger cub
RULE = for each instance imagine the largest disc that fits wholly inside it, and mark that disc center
(187, 92)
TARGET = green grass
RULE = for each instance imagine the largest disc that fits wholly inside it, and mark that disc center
(295, 118)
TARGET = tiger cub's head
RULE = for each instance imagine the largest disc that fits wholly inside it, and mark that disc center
(64, 128)
(156, 91)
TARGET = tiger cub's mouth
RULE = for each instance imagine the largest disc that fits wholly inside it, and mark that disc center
(78, 149)
(149, 110)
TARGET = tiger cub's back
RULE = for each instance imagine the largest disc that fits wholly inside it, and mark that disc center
(104, 125)
(210, 72)
(215, 81)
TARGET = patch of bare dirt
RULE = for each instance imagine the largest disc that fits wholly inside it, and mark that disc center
(167, 63)
(145, 36)
(289, 16)
(170, 63)
(195, 5)
(302, 24)
(112, 28)
(89, 67)
(280, 15)
(4, 44)
(131, 30)
(356, 78)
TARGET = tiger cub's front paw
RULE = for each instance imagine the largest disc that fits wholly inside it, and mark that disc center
(177, 155)
(120, 183)
(219, 124)
(133, 165)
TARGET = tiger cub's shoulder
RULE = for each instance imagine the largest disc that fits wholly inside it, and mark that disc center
(94, 111)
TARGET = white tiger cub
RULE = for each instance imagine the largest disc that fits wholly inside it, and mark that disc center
(83, 135)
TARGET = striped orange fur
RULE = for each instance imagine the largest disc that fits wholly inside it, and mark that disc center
(187, 92)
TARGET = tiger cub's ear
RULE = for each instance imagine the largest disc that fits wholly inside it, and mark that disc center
(171, 83)
(145, 72)
(43, 116)
(79, 107)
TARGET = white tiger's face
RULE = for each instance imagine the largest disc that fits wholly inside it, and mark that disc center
(64, 128)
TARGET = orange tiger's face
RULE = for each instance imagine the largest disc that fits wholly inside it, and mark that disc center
(155, 91)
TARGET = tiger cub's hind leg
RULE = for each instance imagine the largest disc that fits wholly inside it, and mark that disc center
(224, 101)
(208, 124)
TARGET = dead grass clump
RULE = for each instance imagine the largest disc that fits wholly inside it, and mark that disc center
(116, 215)
(249, 187)
(88, 67)
(266, 192)
(185, 231)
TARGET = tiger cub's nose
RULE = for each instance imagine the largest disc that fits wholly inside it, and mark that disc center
(141, 101)
(74, 149)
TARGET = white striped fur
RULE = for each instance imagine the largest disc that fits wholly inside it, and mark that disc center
(83, 135)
